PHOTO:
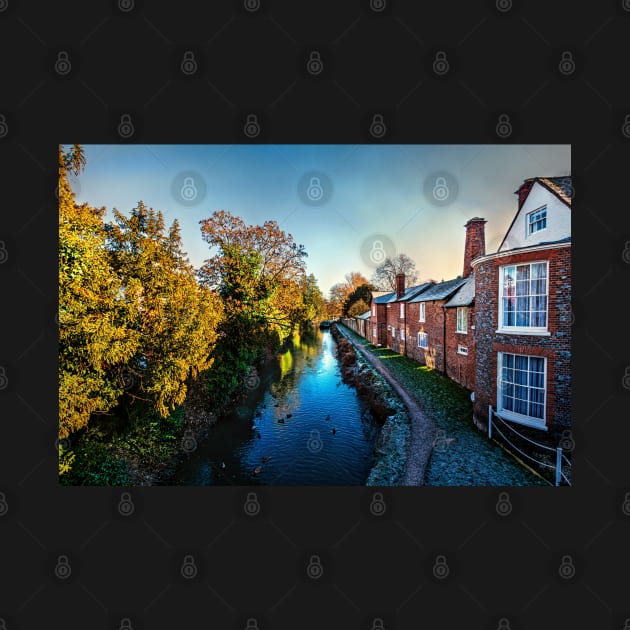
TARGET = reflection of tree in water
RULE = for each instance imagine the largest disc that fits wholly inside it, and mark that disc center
(301, 351)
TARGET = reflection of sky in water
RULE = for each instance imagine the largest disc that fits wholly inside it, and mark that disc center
(301, 396)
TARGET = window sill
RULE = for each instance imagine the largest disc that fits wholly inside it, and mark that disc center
(461, 332)
(522, 331)
(526, 421)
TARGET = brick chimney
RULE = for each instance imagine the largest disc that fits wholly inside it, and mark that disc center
(475, 242)
(523, 190)
(400, 284)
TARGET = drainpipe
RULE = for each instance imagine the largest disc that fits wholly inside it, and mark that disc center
(444, 340)
(405, 329)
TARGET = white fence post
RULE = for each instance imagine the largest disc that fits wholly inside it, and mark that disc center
(558, 464)
(489, 422)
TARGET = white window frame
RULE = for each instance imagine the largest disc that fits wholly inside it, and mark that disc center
(463, 350)
(373, 310)
(522, 330)
(374, 331)
(402, 310)
(423, 314)
(529, 223)
(460, 310)
(425, 337)
(529, 421)
(402, 334)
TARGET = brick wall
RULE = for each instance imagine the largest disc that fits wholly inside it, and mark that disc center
(459, 367)
(433, 356)
(556, 347)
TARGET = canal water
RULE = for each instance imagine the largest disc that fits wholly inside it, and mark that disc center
(300, 426)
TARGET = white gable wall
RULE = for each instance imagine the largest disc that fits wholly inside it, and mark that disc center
(558, 220)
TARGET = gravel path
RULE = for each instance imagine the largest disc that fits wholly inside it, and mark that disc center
(447, 449)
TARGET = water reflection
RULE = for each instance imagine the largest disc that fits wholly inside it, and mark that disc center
(301, 426)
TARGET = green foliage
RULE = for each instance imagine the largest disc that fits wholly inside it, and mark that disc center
(360, 299)
(94, 462)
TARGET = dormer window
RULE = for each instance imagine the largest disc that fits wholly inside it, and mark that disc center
(537, 220)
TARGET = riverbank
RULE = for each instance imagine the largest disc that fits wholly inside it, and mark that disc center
(410, 460)
(460, 455)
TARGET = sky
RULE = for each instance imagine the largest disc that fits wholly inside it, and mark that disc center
(349, 205)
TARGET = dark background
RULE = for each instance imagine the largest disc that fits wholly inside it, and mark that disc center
(125, 570)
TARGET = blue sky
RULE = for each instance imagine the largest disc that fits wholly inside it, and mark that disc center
(347, 204)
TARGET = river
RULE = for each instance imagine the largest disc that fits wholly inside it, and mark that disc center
(301, 426)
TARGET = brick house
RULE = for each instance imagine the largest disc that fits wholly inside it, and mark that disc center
(460, 311)
(460, 334)
(396, 313)
(378, 317)
(523, 313)
(426, 323)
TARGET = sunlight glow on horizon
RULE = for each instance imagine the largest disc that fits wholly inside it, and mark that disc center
(376, 189)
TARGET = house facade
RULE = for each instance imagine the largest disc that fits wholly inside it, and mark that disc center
(378, 317)
(503, 328)
(426, 323)
(396, 309)
(460, 334)
(523, 313)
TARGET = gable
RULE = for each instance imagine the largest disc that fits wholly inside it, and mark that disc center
(557, 220)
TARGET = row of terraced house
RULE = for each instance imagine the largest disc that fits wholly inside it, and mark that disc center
(503, 328)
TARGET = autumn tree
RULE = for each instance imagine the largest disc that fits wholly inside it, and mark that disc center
(173, 316)
(96, 333)
(340, 292)
(362, 295)
(384, 276)
(358, 308)
(258, 270)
